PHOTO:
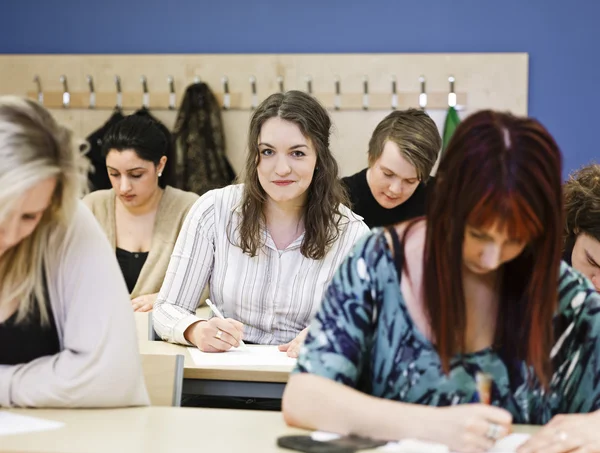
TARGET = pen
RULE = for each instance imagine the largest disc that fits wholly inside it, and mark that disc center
(484, 387)
(218, 313)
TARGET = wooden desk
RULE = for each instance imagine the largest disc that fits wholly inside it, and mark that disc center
(156, 430)
(152, 430)
(239, 381)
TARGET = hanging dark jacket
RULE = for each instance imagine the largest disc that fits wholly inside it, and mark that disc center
(98, 176)
(200, 160)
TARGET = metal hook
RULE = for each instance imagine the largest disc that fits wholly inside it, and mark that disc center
(172, 99)
(66, 95)
(309, 89)
(280, 83)
(90, 81)
(394, 94)
(451, 94)
(119, 92)
(226, 96)
(423, 95)
(254, 100)
(40, 93)
(146, 95)
(365, 103)
(337, 100)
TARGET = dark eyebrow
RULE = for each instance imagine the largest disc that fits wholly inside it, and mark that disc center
(131, 169)
(590, 259)
(293, 147)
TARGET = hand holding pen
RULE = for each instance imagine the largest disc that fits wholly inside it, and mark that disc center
(218, 334)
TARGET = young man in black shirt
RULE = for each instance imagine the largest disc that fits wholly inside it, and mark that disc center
(402, 151)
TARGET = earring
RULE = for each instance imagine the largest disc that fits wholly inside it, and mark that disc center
(159, 174)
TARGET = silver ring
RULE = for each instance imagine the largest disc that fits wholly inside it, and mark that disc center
(493, 431)
(561, 435)
(219, 334)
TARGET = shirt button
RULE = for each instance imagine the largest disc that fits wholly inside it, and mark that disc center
(136, 255)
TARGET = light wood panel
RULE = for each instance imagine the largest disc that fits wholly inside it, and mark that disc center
(498, 81)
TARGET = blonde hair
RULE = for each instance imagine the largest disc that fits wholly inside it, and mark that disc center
(34, 147)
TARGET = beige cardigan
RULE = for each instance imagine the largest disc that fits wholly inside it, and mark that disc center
(172, 209)
(98, 364)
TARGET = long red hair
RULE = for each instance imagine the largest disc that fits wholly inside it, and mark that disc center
(506, 169)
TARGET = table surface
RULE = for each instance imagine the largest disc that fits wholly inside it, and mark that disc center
(155, 429)
(271, 374)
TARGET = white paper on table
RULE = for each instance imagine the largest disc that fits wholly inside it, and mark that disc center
(507, 445)
(251, 355)
(18, 424)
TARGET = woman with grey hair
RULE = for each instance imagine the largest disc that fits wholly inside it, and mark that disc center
(66, 326)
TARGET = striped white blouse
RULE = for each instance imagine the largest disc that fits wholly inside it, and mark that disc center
(275, 294)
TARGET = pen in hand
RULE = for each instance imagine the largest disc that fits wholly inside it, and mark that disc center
(218, 314)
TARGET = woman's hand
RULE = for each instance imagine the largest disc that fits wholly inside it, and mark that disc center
(293, 347)
(215, 335)
(573, 433)
(470, 428)
(144, 303)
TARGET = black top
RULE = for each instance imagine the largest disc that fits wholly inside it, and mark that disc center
(364, 204)
(131, 264)
(28, 340)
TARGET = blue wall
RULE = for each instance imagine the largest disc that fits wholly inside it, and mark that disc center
(562, 39)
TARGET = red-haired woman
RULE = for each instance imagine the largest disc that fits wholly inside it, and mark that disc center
(415, 312)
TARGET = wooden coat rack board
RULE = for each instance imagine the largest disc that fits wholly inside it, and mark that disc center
(498, 81)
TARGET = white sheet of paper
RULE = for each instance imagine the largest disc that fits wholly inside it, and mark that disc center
(507, 445)
(18, 424)
(251, 355)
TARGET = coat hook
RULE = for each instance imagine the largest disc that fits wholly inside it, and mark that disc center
(119, 92)
(146, 95)
(365, 103)
(451, 94)
(309, 89)
(40, 93)
(90, 81)
(172, 99)
(337, 100)
(66, 95)
(226, 97)
(423, 95)
(394, 94)
(254, 100)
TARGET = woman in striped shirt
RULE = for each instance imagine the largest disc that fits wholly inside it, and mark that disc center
(268, 247)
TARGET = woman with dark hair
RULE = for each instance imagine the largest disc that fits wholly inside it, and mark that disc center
(141, 215)
(269, 246)
(582, 226)
(419, 312)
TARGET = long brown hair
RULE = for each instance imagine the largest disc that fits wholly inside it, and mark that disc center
(322, 215)
(497, 168)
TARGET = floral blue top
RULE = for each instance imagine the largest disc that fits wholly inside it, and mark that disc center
(363, 337)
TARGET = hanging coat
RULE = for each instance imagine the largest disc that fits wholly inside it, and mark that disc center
(98, 176)
(200, 160)
(452, 122)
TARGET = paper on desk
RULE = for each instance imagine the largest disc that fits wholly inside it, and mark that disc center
(251, 355)
(18, 424)
(507, 445)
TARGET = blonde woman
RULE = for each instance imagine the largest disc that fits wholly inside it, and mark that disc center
(66, 326)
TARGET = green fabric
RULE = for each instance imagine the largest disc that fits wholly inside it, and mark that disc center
(452, 122)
